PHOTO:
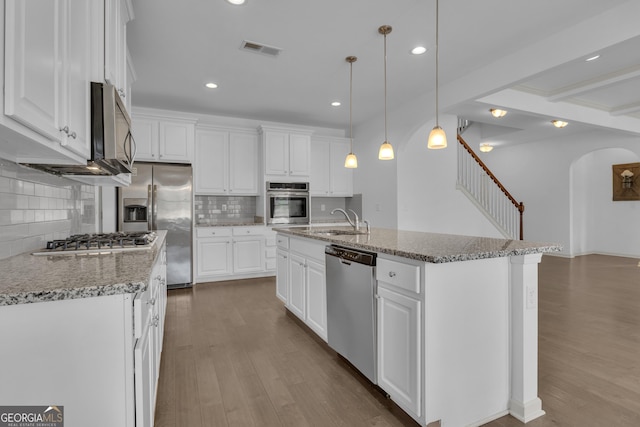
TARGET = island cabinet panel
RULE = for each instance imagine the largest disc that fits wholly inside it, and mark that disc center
(297, 279)
(282, 274)
(467, 348)
(399, 350)
(400, 357)
(316, 298)
(301, 281)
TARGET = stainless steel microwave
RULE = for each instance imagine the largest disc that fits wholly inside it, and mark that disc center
(287, 203)
(112, 145)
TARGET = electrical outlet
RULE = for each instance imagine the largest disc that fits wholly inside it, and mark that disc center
(323, 208)
(377, 207)
(531, 297)
(224, 208)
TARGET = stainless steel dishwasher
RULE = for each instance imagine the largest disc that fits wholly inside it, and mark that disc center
(351, 313)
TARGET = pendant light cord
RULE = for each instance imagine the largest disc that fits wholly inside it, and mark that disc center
(437, 67)
(350, 106)
(385, 88)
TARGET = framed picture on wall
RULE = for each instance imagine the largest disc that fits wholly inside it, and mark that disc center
(626, 181)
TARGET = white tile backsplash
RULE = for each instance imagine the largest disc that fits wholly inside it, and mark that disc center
(36, 207)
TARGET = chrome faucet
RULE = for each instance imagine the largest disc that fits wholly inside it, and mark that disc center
(355, 223)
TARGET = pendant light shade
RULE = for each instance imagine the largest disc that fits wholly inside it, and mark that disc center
(386, 150)
(351, 161)
(437, 137)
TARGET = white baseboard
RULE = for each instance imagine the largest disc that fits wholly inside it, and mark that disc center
(489, 419)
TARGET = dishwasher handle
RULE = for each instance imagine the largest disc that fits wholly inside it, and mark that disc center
(350, 255)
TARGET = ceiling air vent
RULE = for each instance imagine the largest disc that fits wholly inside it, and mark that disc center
(260, 48)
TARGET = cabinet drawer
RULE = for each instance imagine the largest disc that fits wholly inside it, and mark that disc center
(309, 248)
(270, 264)
(405, 276)
(270, 252)
(282, 241)
(248, 231)
(270, 240)
(213, 231)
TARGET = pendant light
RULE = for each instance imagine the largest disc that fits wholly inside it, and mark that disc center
(437, 137)
(351, 161)
(386, 150)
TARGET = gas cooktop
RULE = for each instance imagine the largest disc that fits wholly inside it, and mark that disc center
(100, 243)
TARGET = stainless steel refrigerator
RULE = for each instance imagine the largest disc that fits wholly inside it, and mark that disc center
(160, 198)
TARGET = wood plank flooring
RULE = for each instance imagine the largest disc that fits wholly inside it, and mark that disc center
(232, 357)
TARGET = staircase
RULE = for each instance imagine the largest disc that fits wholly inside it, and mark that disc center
(482, 187)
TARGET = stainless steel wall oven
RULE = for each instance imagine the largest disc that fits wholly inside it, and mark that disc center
(287, 203)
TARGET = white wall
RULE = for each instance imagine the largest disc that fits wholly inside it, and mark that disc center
(567, 197)
(427, 195)
(600, 224)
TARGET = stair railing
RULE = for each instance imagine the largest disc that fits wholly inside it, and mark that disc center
(475, 178)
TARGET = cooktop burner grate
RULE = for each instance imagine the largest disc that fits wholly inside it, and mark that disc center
(102, 242)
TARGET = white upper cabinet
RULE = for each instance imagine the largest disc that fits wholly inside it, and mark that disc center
(117, 14)
(329, 177)
(48, 69)
(163, 139)
(211, 169)
(243, 163)
(52, 50)
(226, 162)
(286, 153)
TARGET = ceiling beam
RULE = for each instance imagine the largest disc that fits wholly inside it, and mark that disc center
(594, 84)
(625, 109)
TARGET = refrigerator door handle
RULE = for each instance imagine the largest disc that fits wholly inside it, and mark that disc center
(149, 208)
(155, 207)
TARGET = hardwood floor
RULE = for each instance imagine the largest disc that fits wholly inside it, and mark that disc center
(232, 357)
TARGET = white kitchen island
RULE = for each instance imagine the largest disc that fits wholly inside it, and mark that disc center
(457, 318)
(84, 332)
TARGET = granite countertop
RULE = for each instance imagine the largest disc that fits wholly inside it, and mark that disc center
(29, 278)
(428, 247)
(228, 224)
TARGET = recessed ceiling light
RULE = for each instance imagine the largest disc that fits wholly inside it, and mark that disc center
(486, 147)
(418, 50)
(211, 85)
(236, 2)
(593, 58)
(497, 113)
(559, 123)
(336, 104)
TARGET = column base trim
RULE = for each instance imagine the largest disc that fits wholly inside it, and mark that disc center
(527, 411)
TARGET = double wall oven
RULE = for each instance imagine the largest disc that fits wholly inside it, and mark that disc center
(287, 203)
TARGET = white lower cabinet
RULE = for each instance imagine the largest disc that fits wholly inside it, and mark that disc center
(297, 280)
(303, 286)
(213, 257)
(282, 274)
(227, 253)
(399, 334)
(87, 354)
(316, 287)
(398, 350)
(248, 254)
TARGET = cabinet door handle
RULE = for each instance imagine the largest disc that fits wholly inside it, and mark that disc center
(65, 130)
(73, 135)
(152, 301)
(392, 274)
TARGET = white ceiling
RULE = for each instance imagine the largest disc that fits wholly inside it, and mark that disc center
(525, 56)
